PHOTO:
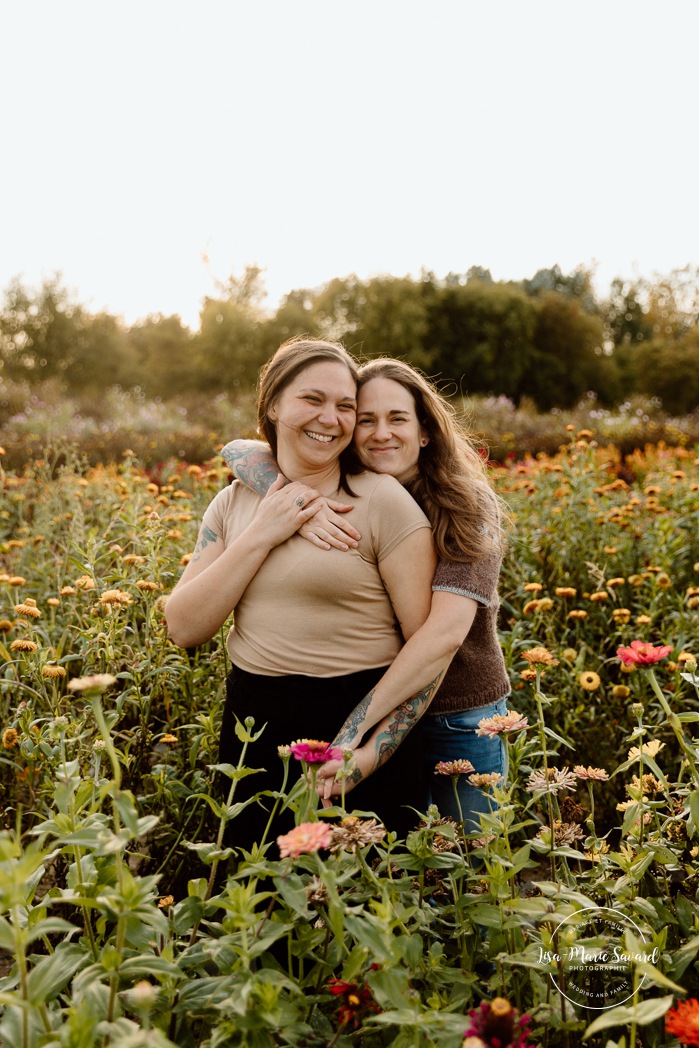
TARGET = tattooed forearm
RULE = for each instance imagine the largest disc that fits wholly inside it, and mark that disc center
(350, 733)
(253, 465)
(403, 719)
(206, 535)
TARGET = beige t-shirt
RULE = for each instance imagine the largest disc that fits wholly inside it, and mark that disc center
(321, 613)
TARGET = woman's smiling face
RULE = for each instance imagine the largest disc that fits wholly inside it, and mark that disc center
(314, 416)
(388, 435)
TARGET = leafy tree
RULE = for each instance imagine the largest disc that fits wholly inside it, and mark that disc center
(568, 357)
(162, 350)
(393, 320)
(625, 315)
(577, 284)
(483, 334)
(39, 331)
(669, 370)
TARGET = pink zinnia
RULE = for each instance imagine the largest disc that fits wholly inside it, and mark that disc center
(500, 724)
(308, 837)
(313, 751)
(642, 654)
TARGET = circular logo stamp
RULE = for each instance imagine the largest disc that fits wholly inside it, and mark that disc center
(592, 965)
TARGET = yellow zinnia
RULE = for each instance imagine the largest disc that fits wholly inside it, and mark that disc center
(590, 680)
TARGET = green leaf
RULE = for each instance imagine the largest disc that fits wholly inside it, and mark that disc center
(646, 1012)
(694, 812)
(50, 926)
(53, 973)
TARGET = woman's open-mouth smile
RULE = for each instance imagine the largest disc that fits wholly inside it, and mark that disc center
(322, 438)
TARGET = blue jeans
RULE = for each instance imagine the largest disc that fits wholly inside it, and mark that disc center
(452, 736)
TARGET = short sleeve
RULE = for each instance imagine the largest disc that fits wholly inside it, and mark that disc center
(393, 515)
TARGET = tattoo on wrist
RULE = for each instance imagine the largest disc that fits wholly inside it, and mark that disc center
(350, 730)
(402, 720)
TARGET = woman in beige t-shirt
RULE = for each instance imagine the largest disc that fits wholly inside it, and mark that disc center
(314, 630)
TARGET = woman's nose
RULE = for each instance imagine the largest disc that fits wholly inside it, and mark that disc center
(328, 415)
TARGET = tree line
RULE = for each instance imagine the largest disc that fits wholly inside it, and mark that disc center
(549, 339)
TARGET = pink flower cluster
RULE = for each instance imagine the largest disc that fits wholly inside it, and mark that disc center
(642, 654)
(306, 838)
(313, 751)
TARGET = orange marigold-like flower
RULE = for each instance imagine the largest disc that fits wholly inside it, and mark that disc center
(614, 583)
(486, 780)
(566, 591)
(50, 671)
(533, 587)
(10, 738)
(28, 609)
(639, 653)
(577, 613)
(683, 1022)
(620, 691)
(306, 838)
(22, 644)
(539, 656)
(622, 615)
(115, 597)
(599, 595)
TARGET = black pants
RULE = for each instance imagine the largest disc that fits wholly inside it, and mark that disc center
(297, 707)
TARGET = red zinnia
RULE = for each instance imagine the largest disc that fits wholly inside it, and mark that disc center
(642, 654)
(683, 1022)
(313, 751)
(498, 1025)
(356, 1001)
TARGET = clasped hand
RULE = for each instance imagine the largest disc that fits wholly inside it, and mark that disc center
(290, 508)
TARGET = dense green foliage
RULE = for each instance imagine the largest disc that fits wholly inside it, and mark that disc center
(548, 339)
(118, 925)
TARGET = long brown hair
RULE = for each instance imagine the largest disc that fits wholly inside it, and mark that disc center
(452, 485)
(289, 360)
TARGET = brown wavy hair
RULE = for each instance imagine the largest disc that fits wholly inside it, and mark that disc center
(282, 368)
(452, 486)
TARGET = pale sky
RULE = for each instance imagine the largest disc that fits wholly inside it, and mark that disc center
(317, 139)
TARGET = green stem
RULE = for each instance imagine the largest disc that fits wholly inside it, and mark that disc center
(676, 725)
(276, 804)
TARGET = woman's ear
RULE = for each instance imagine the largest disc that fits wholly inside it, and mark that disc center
(272, 413)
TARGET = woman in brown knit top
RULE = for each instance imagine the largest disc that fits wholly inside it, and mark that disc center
(406, 429)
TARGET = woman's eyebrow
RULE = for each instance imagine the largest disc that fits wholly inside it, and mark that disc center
(323, 393)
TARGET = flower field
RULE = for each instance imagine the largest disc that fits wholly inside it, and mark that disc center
(122, 921)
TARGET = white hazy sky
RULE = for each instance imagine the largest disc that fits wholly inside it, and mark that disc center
(317, 138)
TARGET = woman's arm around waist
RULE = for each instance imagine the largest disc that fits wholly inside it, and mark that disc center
(418, 668)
